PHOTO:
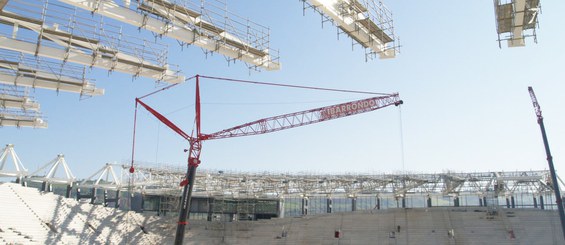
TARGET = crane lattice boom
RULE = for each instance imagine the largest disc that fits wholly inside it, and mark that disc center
(261, 126)
(535, 102)
(296, 119)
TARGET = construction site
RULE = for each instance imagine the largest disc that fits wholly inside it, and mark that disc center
(61, 46)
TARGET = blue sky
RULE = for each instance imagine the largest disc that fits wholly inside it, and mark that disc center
(466, 102)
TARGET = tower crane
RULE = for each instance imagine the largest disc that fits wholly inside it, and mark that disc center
(261, 126)
(558, 198)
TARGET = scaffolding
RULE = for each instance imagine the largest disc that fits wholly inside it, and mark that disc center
(14, 97)
(368, 23)
(19, 69)
(20, 118)
(17, 108)
(51, 30)
(206, 24)
(237, 185)
(516, 20)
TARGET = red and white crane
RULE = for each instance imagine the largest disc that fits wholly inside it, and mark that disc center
(261, 126)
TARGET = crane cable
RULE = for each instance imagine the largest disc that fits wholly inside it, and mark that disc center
(293, 86)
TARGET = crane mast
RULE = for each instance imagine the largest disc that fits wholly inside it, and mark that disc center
(558, 198)
(261, 126)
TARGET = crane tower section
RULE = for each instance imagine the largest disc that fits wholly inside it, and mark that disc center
(516, 20)
(368, 22)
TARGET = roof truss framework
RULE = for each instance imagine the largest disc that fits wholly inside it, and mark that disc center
(193, 24)
(63, 35)
(220, 183)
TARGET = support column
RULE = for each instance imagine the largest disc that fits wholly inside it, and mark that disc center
(512, 202)
(304, 206)
(117, 199)
(541, 202)
(69, 191)
(429, 201)
(403, 202)
(93, 198)
(354, 204)
(105, 202)
(485, 201)
(378, 203)
(456, 202)
(44, 185)
(209, 213)
(480, 202)
(280, 211)
(329, 205)
(535, 202)
(507, 203)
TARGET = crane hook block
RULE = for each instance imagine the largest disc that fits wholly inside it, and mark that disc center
(184, 182)
(400, 102)
(131, 170)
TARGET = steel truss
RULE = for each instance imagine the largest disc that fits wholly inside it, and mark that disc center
(245, 185)
(516, 20)
(47, 29)
(367, 22)
(206, 24)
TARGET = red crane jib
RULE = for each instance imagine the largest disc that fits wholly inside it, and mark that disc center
(291, 120)
(164, 120)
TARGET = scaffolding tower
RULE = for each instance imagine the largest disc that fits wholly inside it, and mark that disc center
(206, 24)
(516, 20)
(368, 23)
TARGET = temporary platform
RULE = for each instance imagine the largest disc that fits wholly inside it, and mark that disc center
(27, 71)
(14, 97)
(368, 22)
(17, 118)
(206, 24)
(516, 20)
(49, 29)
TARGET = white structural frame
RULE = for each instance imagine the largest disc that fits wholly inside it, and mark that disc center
(14, 97)
(366, 22)
(54, 166)
(105, 178)
(70, 47)
(514, 18)
(175, 26)
(20, 170)
(21, 119)
(19, 74)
